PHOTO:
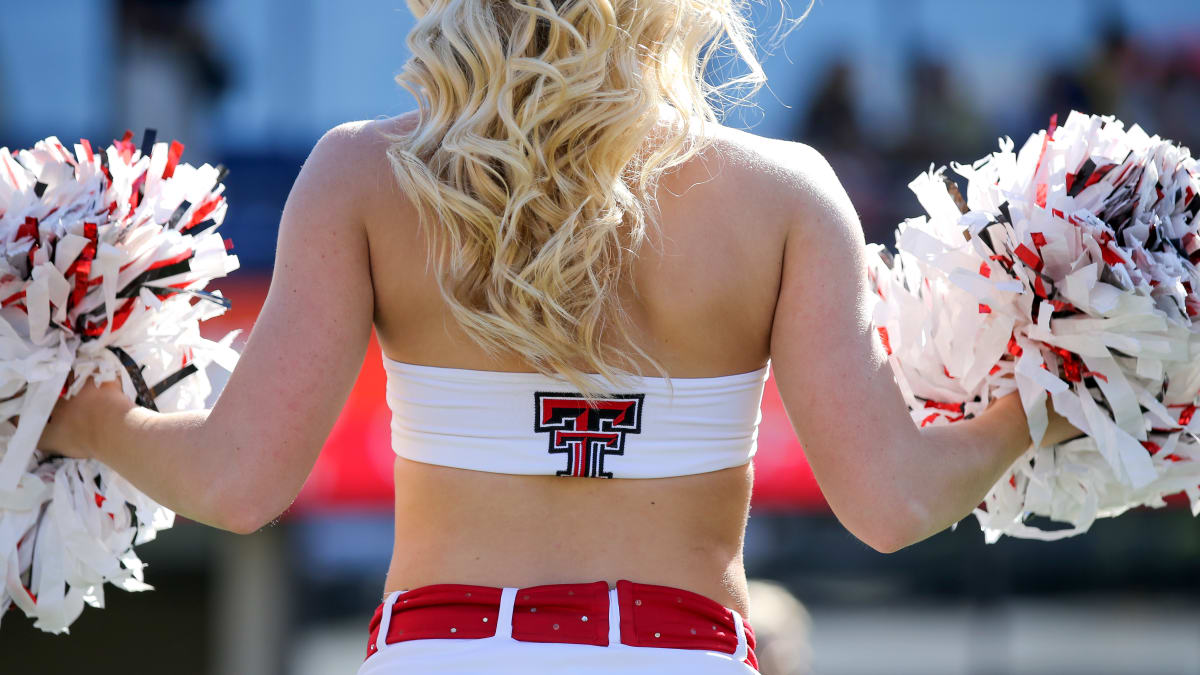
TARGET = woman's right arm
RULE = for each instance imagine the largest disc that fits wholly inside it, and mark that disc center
(890, 483)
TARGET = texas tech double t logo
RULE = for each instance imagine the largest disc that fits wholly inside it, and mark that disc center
(585, 434)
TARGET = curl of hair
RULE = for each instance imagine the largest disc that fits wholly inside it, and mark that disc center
(527, 164)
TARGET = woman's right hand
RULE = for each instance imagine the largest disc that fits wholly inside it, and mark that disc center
(72, 427)
(1059, 430)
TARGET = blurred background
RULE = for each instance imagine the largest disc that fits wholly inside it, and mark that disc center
(882, 87)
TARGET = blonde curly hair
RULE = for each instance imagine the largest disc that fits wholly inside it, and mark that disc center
(527, 165)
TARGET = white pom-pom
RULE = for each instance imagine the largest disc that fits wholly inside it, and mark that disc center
(104, 256)
(1068, 273)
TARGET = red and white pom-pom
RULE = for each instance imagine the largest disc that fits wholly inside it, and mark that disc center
(105, 256)
(1069, 272)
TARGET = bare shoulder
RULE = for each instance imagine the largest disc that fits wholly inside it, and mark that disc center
(364, 133)
(772, 160)
(353, 155)
(791, 176)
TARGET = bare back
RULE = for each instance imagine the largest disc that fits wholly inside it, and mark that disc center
(702, 303)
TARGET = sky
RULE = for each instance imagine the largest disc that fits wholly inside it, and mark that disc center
(303, 66)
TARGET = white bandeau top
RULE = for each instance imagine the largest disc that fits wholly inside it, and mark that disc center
(532, 424)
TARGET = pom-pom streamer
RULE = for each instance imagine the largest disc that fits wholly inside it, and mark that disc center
(104, 256)
(1068, 273)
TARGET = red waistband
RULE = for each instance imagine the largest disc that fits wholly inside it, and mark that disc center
(650, 616)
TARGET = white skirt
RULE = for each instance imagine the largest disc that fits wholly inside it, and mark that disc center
(496, 655)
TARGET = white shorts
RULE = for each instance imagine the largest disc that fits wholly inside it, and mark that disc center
(503, 654)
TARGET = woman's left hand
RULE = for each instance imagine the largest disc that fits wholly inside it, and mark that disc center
(71, 428)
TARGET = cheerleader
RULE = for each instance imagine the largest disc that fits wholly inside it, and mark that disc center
(579, 280)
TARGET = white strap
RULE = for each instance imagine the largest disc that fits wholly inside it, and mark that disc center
(508, 598)
(743, 648)
(385, 621)
(614, 618)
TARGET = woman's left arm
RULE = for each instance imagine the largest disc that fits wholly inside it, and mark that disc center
(241, 464)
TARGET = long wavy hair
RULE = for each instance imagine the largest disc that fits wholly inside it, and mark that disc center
(529, 165)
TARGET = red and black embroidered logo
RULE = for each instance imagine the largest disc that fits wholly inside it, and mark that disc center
(587, 433)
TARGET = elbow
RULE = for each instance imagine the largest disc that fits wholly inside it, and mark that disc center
(888, 528)
(243, 523)
(246, 501)
(885, 544)
(252, 514)
(881, 534)
(244, 513)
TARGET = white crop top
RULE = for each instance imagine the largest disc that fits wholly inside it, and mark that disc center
(529, 423)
